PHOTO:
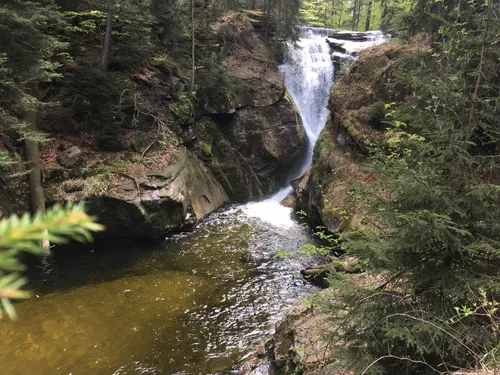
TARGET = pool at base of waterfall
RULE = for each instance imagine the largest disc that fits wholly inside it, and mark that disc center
(193, 304)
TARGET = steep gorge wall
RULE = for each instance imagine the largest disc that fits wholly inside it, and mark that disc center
(178, 157)
(326, 193)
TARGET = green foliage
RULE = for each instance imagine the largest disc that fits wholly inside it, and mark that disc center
(376, 113)
(215, 84)
(431, 229)
(206, 149)
(387, 15)
(29, 56)
(100, 99)
(93, 93)
(23, 235)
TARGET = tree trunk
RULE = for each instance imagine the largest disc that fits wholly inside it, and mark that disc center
(368, 15)
(278, 23)
(193, 67)
(354, 9)
(333, 14)
(35, 176)
(475, 95)
(385, 11)
(268, 20)
(358, 14)
(107, 38)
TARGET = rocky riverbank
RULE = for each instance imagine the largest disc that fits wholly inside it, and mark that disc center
(178, 156)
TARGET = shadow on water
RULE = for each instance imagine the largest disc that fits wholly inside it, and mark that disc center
(191, 304)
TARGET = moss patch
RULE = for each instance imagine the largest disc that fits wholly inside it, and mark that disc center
(206, 149)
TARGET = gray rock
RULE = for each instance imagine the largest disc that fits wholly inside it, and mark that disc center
(70, 157)
(153, 204)
(271, 139)
(289, 201)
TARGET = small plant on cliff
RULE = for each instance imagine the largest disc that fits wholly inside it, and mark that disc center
(376, 114)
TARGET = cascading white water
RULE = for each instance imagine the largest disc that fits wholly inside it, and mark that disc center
(308, 72)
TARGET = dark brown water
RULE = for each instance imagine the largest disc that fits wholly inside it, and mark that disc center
(193, 304)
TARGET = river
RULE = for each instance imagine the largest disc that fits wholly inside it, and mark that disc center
(193, 304)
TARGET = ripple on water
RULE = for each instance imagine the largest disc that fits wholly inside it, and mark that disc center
(192, 304)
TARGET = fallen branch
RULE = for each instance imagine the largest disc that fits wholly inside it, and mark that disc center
(147, 149)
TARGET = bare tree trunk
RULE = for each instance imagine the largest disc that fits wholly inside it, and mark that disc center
(385, 11)
(475, 95)
(193, 67)
(358, 14)
(107, 38)
(368, 15)
(333, 13)
(35, 176)
(278, 24)
(354, 9)
(268, 20)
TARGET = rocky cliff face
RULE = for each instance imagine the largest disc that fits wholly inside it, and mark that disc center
(256, 119)
(180, 159)
(356, 107)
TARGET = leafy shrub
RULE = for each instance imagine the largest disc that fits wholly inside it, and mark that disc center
(100, 99)
(376, 113)
(215, 84)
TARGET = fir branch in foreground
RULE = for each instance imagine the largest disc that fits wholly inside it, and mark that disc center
(25, 233)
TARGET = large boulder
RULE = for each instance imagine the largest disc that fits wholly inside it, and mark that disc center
(159, 201)
(227, 165)
(255, 76)
(251, 78)
(70, 157)
(167, 191)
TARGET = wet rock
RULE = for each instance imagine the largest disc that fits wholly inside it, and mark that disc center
(70, 157)
(228, 166)
(317, 275)
(307, 201)
(336, 46)
(271, 139)
(289, 201)
(349, 35)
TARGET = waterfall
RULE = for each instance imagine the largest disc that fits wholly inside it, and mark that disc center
(308, 72)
